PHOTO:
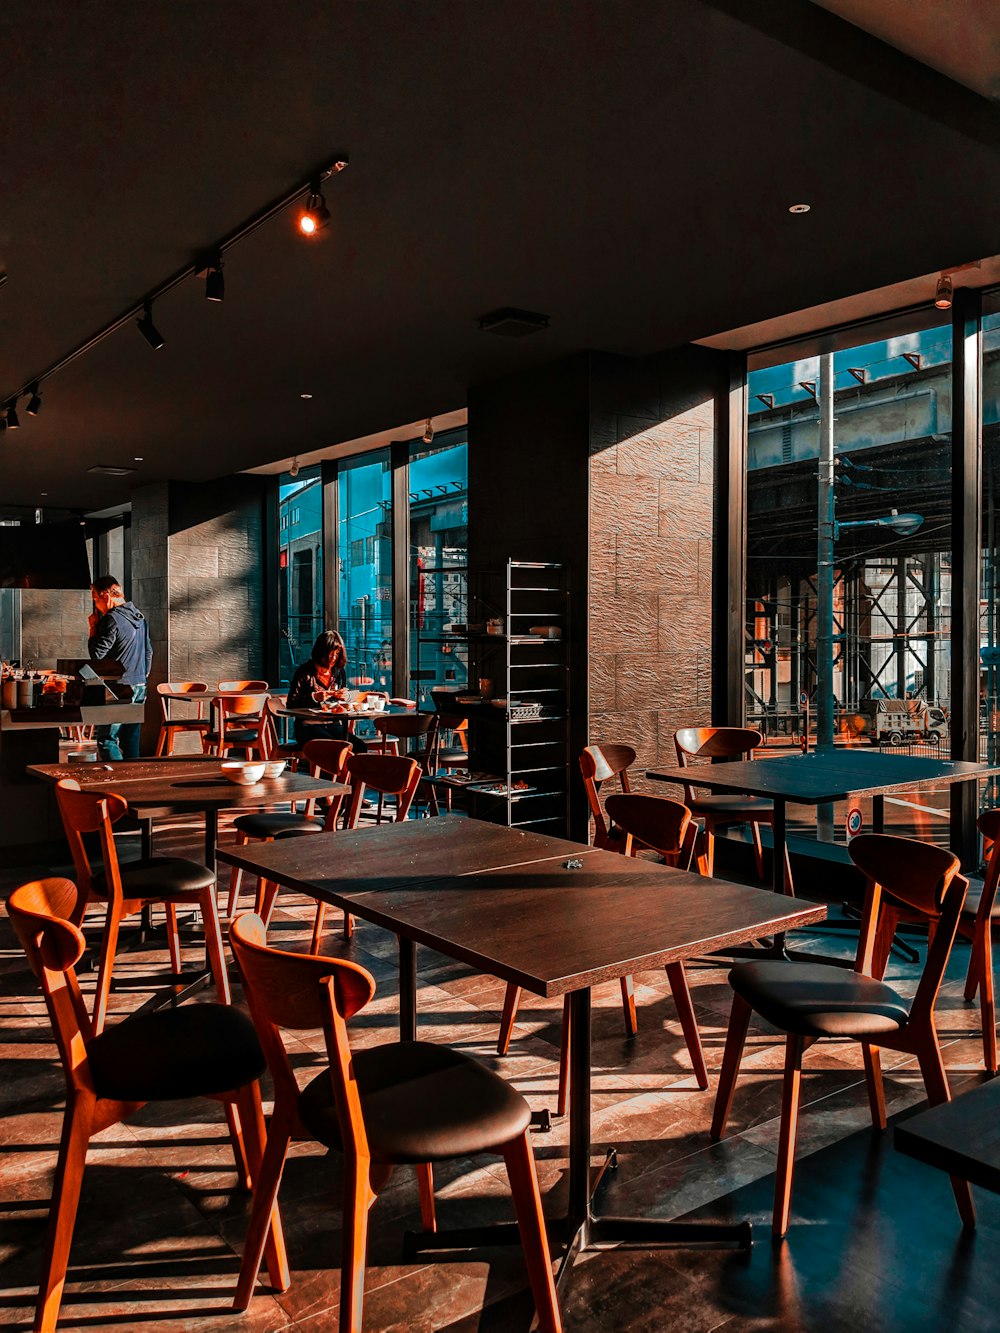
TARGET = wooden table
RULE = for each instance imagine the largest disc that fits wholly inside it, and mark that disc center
(547, 915)
(961, 1137)
(821, 777)
(155, 788)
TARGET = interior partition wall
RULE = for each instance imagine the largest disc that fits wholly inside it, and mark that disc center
(870, 599)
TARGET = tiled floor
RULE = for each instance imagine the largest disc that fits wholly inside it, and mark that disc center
(875, 1241)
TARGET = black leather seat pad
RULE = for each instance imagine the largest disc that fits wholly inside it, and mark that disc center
(159, 877)
(819, 999)
(421, 1103)
(191, 1051)
(277, 823)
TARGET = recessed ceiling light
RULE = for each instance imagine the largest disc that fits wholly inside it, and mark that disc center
(110, 470)
(43, 493)
(137, 458)
(799, 208)
(305, 395)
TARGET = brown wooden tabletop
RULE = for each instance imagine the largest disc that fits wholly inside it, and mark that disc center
(333, 866)
(961, 1137)
(156, 788)
(820, 777)
(553, 930)
(540, 924)
(812, 779)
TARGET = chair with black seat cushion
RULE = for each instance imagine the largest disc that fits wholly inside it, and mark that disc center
(170, 725)
(600, 764)
(451, 758)
(388, 775)
(417, 733)
(326, 759)
(238, 723)
(127, 888)
(719, 810)
(202, 1050)
(402, 1103)
(665, 826)
(810, 1001)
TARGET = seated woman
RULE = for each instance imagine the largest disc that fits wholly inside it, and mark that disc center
(326, 670)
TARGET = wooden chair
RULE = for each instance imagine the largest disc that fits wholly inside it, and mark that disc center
(126, 889)
(389, 775)
(274, 746)
(169, 726)
(454, 757)
(810, 1001)
(417, 732)
(667, 827)
(238, 723)
(326, 759)
(243, 686)
(599, 764)
(402, 1103)
(719, 810)
(202, 1050)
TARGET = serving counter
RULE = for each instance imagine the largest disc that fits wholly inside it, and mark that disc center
(31, 736)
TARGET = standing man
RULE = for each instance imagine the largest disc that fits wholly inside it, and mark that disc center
(118, 631)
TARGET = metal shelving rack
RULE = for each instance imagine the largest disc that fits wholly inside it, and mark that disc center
(519, 748)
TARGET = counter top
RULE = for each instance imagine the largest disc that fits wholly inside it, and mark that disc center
(20, 719)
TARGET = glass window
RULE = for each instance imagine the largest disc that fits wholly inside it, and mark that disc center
(300, 567)
(884, 653)
(364, 568)
(439, 538)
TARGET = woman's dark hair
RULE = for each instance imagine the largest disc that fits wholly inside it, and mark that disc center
(329, 650)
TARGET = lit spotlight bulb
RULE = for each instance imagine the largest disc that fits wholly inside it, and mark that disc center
(428, 434)
(943, 295)
(315, 215)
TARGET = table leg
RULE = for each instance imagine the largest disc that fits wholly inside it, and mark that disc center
(211, 837)
(778, 846)
(878, 814)
(407, 990)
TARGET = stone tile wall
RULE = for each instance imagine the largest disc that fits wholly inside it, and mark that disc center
(53, 624)
(650, 581)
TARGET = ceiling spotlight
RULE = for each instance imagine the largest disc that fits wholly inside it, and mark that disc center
(12, 421)
(428, 434)
(305, 395)
(798, 208)
(315, 215)
(293, 471)
(943, 295)
(137, 458)
(215, 283)
(147, 328)
(34, 402)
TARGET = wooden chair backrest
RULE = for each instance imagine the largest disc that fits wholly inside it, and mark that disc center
(405, 725)
(715, 743)
(90, 812)
(598, 763)
(194, 687)
(327, 758)
(302, 992)
(653, 821)
(242, 686)
(42, 914)
(448, 715)
(390, 774)
(236, 705)
(921, 878)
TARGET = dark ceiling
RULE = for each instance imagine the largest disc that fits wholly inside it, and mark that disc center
(623, 168)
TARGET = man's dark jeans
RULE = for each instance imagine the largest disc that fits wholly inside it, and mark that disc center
(120, 740)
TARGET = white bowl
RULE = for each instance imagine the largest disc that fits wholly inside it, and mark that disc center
(273, 768)
(242, 773)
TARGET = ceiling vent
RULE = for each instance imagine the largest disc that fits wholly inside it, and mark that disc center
(512, 323)
(108, 470)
